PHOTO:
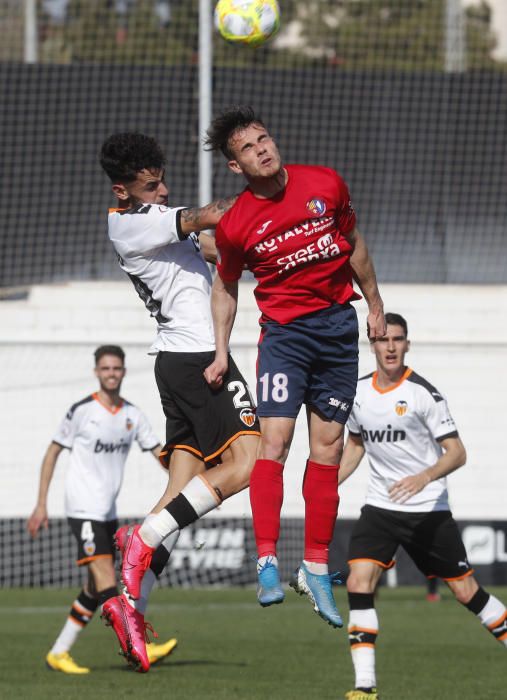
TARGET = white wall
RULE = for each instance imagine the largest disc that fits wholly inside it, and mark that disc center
(459, 343)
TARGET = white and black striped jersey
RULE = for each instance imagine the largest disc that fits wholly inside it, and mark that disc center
(401, 428)
(169, 274)
(99, 440)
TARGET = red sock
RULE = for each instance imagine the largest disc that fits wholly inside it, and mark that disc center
(266, 498)
(320, 491)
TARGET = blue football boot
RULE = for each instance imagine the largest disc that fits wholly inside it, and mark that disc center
(318, 589)
(269, 588)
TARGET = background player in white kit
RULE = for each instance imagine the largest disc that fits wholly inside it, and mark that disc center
(404, 425)
(211, 435)
(99, 431)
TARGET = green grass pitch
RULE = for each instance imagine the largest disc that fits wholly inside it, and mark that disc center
(231, 649)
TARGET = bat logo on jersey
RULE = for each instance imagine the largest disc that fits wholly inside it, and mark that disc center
(401, 408)
(129, 424)
(316, 206)
(247, 416)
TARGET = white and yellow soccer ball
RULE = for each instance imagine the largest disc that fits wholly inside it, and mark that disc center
(250, 22)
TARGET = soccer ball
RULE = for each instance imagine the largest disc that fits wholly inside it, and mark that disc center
(249, 22)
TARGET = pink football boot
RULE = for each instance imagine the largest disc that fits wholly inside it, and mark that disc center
(131, 630)
(136, 558)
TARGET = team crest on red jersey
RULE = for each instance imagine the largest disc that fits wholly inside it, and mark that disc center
(401, 408)
(247, 416)
(316, 206)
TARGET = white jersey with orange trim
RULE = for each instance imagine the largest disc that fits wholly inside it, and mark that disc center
(99, 440)
(169, 273)
(401, 429)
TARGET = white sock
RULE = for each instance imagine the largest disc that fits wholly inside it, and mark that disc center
(67, 636)
(494, 617)
(198, 494)
(201, 496)
(156, 527)
(363, 629)
(261, 561)
(492, 612)
(316, 567)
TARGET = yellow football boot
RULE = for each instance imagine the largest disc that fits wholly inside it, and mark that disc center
(160, 651)
(64, 663)
(362, 694)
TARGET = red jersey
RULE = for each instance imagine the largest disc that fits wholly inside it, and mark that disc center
(294, 243)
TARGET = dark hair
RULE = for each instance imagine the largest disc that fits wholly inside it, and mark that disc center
(223, 127)
(109, 350)
(397, 320)
(125, 154)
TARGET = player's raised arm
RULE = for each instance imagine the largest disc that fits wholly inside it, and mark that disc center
(202, 218)
(208, 248)
(224, 303)
(364, 274)
(353, 453)
(39, 517)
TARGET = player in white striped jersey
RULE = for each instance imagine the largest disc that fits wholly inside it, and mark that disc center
(404, 426)
(211, 436)
(98, 431)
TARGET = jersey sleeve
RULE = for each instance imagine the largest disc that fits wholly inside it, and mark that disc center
(145, 437)
(145, 228)
(230, 259)
(67, 430)
(352, 424)
(438, 418)
(345, 214)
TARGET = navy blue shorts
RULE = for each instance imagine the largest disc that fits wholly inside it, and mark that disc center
(311, 360)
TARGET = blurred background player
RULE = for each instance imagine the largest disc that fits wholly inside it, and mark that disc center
(294, 227)
(404, 425)
(99, 431)
(211, 435)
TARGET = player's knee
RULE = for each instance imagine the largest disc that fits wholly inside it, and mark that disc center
(327, 452)
(355, 585)
(464, 590)
(359, 583)
(274, 447)
(237, 464)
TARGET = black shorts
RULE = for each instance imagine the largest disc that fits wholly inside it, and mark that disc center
(94, 539)
(199, 419)
(432, 540)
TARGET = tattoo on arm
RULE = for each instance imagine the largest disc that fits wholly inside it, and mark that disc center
(208, 216)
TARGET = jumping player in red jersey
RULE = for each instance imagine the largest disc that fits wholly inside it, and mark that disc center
(294, 227)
